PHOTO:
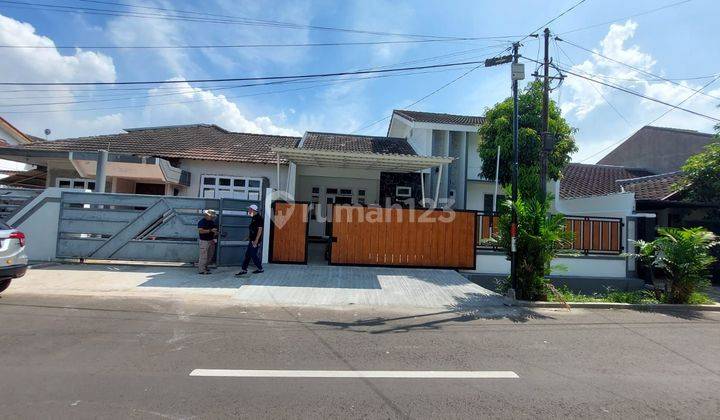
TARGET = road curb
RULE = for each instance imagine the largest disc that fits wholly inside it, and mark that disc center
(610, 305)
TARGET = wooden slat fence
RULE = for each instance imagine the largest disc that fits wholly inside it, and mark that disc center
(591, 235)
(403, 237)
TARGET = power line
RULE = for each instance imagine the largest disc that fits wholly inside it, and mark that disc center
(635, 68)
(653, 121)
(220, 19)
(564, 12)
(191, 89)
(632, 92)
(594, 87)
(237, 79)
(421, 99)
(667, 6)
(230, 46)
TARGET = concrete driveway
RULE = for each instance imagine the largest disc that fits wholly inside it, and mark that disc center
(292, 285)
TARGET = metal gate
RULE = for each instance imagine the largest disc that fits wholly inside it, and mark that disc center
(403, 237)
(289, 232)
(234, 223)
(142, 228)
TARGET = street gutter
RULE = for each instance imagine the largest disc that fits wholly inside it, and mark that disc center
(610, 305)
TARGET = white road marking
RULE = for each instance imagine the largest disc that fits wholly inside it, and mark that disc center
(397, 374)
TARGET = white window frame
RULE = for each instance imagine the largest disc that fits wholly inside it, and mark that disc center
(86, 182)
(406, 194)
(245, 192)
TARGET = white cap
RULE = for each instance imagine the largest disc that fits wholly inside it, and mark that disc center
(253, 207)
(210, 212)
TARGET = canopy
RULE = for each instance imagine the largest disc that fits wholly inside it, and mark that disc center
(360, 160)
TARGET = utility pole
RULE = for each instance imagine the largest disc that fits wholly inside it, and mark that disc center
(517, 73)
(545, 137)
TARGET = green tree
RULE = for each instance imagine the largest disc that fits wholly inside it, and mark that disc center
(684, 257)
(701, 181)
(497, 130)
(541, 236)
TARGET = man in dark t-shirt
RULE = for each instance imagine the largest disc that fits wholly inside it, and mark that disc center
(255, 231)
(207, 232)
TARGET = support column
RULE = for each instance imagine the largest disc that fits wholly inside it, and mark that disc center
(422, 188)
(100, 177)
(277, 183)
(437, 187)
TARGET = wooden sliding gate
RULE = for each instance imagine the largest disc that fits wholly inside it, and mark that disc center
(403, 237)
(289, 231)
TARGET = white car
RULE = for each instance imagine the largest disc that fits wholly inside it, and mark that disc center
(13, 260)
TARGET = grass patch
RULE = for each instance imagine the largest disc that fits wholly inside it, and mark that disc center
(635, 297)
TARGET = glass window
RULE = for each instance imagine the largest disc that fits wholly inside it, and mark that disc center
(346, 192)
(91, 186)
(254, 196)
(208, 180)
(403, 191)
(331, 191)
(239, 182)
(208, 193)
(78, 184)
(254, 183)
(361, 192)
(316, 190)
(225, 182)
(63, 184)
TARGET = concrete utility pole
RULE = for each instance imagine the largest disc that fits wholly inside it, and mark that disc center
(546, 140)
(517, 73)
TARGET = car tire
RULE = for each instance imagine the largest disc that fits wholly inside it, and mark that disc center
(4, 284)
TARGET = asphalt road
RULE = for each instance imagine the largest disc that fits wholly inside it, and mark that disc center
(119, 358)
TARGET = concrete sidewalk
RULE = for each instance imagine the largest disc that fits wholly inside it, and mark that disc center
(293, 285)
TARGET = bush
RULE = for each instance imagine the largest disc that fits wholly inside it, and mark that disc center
(683, 255)
(541, 236)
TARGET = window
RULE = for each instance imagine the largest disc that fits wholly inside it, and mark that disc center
(403, 192)
(241, 188)
(75, 183)
(488, 202)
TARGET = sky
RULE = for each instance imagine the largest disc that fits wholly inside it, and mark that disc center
(677, 43)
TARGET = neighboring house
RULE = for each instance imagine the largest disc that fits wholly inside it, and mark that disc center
(193, 160)
(11, 136)
(456, 136)
(658, 149)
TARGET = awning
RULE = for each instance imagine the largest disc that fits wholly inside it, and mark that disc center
(138, 168)
(359, 160)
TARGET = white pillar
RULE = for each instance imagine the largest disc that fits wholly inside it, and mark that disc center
(277, 183)
(266, 225)
(100, 178)
(422, 187)
(437, 187)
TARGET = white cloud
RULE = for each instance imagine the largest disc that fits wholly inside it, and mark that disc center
(585, 105)
(49, 65)
(195, 105)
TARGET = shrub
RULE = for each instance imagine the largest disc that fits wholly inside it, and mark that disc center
(541, 236)
(684, 257)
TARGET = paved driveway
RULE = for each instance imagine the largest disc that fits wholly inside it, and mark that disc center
(279, 285)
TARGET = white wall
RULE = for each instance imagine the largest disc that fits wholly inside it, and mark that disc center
(9, 138)
(476, 194)
(198, 168)
(582, 266)
(474, 162)
(421, 140)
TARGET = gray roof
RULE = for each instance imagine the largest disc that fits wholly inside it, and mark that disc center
(659, 149)
(436, 118)
(198, 141)
(355, 143)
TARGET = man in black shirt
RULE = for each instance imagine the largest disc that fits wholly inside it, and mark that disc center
(207, 232)
(255, 234)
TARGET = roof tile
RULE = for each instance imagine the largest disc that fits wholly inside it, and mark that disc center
(354, 143)
(437, 118)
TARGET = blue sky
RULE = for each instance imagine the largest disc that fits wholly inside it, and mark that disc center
(678, 43)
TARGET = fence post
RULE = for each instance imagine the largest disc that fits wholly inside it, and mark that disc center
(266, 225)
